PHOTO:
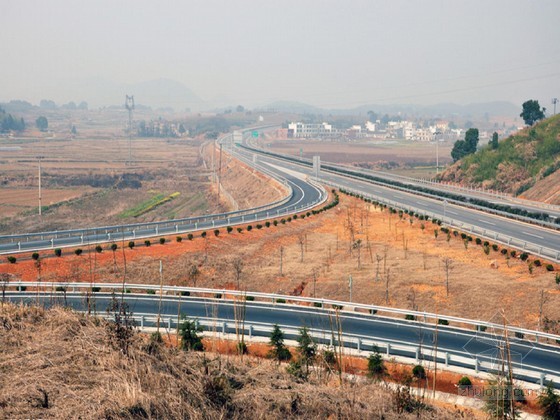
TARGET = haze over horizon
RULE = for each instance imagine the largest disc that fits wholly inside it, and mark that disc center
(327, 54)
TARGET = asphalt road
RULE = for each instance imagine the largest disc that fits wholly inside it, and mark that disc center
(528, 355)
(304, 196)
(534, 237)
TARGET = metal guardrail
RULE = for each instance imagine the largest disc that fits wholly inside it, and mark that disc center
(308, 301)
(92, 236)
(336, 169)
(543, 252)
(355, 342)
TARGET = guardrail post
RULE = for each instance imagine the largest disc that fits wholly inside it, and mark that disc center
(536, 338)
(142, 321)
(388, 349)
(250, 331)
(213, 223)
(52, 242)
(176, 228)
(541, 379)
(196, 225)
(417, 355)
(168, 324)
(19, 246)
(157, 230)
(224, 326)
(331, 340)
(82, 239)
(108, 236)
(359, 345)
(476, 364)
(446, 359)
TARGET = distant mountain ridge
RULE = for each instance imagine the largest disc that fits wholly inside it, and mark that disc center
(501, 108)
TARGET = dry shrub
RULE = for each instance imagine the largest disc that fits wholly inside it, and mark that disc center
(59, 364)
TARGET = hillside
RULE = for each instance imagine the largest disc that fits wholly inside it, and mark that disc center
(58, 364)
(523, 164)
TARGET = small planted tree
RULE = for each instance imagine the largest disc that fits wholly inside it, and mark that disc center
(147, 242)
(307, 348)
(229, 229)
(190, 236)
(278, 350)
(162, 241)
(376, 366)
(78, 251)
(216, 232)
(99, 249)
(179, 239)
(35, 256)
(549, 402)
(58, 252)
(419, 372)
(131, 244)
(12, 259)
(190, 340)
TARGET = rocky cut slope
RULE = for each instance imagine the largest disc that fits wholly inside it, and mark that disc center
(524, 164)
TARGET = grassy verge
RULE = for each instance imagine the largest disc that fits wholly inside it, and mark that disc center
(148, 205)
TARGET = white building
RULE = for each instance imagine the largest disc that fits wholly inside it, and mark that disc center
(301, 130)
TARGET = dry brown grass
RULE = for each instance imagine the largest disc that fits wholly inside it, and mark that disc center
(58, 364)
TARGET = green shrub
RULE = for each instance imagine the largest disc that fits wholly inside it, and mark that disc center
(203, 235)
(185, 293)
(78, 251)
(131, 244)
(280, 300)
(464, 382)
(537, 263)
(61, 289)
(249, 228)
(275, 223)
(147, 242)
(250, 298)
(12, 259)
(504, 251)
(216, 232)
(443, 322)
(478, 241)
(419, 372)
(495, 247)
(151, 292)
(58, 252)
(513, 253)
(190, 236)
(317, 304)
(218, 295)
(267, 224)
(481, 328)
(549, 267)
(161, 241)
(409, 317)
(524, 256)
(229, 229)
(95, 289)
(283, 221)
(373, 311)
(519, 334)
(179, 239)
(239, 230)
(21, 288)
(114, 247)
(35, 256)
(99, 249)
(259, 226)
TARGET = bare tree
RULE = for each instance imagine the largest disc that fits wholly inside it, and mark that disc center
(301, 241)
(447, 266)
(543, 301)
(315, 275)
(387, 279)
(358, 247)
(194, 273)
(4, 281)
(378, 258)
(281, 258)
(237, 264)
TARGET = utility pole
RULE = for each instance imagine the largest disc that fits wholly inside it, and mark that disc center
(129, 105)
(220, 172)
(160, 293)
(40, 192)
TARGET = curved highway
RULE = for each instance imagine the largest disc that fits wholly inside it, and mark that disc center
(468, 344)
(304, 195)
(518, 234)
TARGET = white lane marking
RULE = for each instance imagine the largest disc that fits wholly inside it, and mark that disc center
(296, 174)
(488, 223)
(451, 212)
(532, 234)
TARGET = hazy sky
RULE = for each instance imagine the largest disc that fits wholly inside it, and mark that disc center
(326, 53)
